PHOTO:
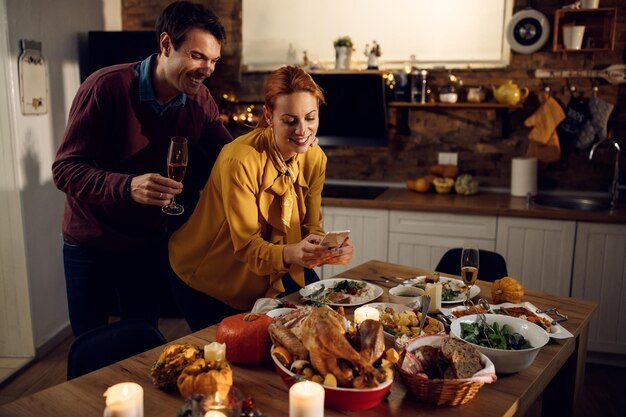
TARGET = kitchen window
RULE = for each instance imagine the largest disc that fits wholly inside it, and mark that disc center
(422, 33)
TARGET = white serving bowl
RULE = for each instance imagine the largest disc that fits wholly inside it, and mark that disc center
(406, 295)
(507, 361)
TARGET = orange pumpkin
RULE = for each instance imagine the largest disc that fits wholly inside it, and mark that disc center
(246, 338)
(507, 290)
(200, 378)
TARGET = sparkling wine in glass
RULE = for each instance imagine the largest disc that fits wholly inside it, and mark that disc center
(469, 268)
(176, 167)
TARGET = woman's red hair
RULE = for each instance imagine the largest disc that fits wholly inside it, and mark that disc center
(288, 80)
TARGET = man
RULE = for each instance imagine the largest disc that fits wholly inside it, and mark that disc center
(112, 166)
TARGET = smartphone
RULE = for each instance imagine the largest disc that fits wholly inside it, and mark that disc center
(335, 238)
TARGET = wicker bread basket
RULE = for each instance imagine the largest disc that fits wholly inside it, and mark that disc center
(443, 391)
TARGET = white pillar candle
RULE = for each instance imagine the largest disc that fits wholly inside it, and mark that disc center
(214, 413)
(215, 352)
(306, 399)
(366, 312)
(434, 290)
(124, 400)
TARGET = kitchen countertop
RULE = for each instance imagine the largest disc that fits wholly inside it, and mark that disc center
(483, 203)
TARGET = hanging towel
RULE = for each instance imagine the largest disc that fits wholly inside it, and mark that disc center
(543, 140)
(576, 115)
(595, 127)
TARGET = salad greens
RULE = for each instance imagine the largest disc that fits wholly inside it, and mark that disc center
(349, 287)
(448, 294)
(493, 336)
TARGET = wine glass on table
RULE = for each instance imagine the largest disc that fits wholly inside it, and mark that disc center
(469, 268)
(176, 167)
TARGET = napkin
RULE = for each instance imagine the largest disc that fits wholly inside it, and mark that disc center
(263, 305)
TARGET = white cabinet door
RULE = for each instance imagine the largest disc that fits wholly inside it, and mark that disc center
(538, 253)
(420, 239)
(369, 230)
(600, 276)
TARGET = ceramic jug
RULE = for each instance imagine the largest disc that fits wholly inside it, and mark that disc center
(509, 93)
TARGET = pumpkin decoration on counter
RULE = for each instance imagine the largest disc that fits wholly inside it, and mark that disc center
(466, 185)
(444, 170)
(171, 362)
(203, 377)
(507, 290)
(443, 185)
(246, 336)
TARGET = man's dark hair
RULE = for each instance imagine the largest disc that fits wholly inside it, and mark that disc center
(181, 16)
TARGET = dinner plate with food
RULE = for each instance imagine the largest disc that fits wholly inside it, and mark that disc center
(453, 290)
(525, 310)
(341, 292)
(402, 322)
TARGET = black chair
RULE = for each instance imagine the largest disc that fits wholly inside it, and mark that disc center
(492, 265)
(108, 344)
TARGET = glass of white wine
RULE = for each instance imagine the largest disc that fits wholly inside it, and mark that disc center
(469, 268)
(177, 157)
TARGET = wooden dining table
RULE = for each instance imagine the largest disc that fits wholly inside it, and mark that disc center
(551, 385)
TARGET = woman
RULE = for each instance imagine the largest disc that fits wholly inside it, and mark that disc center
(258, 223)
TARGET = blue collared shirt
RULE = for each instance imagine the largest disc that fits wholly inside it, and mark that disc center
(146, 92)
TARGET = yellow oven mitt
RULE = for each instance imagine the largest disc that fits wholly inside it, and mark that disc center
(543, 141)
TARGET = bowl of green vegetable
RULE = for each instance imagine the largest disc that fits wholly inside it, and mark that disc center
(511, 343)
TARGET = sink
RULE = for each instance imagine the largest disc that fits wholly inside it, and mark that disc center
(572, 203)
(352, 191)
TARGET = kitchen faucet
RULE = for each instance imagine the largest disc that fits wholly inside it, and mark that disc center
(613, 191)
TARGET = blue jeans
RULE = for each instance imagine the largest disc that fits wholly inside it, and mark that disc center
(201, 310)
(93, 277)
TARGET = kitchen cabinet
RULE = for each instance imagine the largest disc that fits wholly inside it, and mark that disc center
(421, 239)
(369, 229)
(600, 275)
(599, 28)
(538, 252)
(403, 108)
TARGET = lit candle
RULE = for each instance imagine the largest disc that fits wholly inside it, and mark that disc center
(214, 413)
(306, 399)
(366, 312)
(124, 400)
(215, 352)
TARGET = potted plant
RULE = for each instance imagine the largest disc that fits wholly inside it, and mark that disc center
(343, 52)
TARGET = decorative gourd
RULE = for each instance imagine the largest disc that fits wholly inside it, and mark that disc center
(246, 337)
(171, 362)
(200, 378)
(507, 290)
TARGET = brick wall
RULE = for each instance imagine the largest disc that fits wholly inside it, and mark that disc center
(473, 134)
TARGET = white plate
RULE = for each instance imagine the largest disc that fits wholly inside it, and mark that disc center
(556, 331)
(375, 291)
(474, 291)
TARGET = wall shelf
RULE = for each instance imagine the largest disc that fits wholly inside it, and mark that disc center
(599, 28)
(404, 107)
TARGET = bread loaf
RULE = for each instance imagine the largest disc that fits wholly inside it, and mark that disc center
(464, 359)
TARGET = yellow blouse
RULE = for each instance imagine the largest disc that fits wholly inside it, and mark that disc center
(231, 248)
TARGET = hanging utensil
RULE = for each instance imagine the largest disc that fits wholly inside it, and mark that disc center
(615, 74)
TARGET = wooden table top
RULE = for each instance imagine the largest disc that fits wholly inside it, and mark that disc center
(510, 395)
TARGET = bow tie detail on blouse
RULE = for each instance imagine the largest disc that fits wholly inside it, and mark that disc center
(284, 184)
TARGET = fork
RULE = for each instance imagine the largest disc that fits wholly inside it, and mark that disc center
(424, 312)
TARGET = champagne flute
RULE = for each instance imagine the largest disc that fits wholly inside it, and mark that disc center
(176, 167)
(469, 268)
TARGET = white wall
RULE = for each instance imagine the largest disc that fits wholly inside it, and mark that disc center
(61, 25)
(16, 336)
